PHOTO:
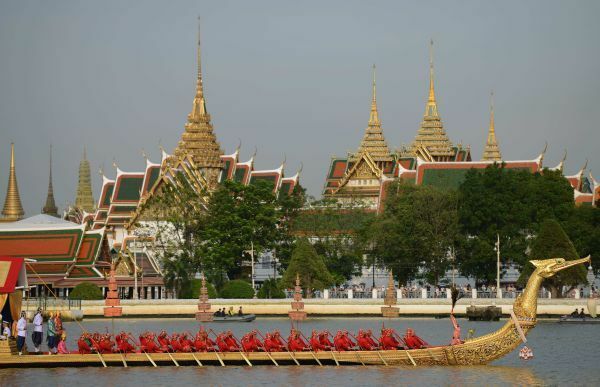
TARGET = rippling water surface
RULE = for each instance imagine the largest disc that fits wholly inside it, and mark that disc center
(564, 355)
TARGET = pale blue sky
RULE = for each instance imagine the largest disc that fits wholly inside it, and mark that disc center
(290, 78)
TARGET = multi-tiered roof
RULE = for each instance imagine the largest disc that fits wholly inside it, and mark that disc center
(199, 140)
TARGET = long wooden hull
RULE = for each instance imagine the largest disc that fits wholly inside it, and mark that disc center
(481, 350)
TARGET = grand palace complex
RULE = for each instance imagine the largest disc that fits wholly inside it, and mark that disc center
(81, 247)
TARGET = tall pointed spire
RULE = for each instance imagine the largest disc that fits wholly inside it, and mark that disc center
(13, 210)
(373, 141)
(492, 150)
(199, 140)
(431, 142)
(50, 207)
(374, 116)
(85, 198)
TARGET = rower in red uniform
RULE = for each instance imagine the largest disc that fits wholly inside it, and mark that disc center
(277, 341)
(315, 343)
(151, 345)
(203, 343)
(105, 345)
(388, 341)
(413, 341)
(363, 341)
(295, 342)
(123, 344)
(175, 344)
(324, 340)
(250, 343)
(84, 344)
(231, 342)
(163, 341)
(186, 343)
(369, 336)
(340, 342)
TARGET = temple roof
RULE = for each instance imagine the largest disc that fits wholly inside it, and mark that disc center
(13, 209)
(492, 150)
(373, 141)
(431, 142)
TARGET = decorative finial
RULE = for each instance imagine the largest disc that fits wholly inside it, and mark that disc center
(431, 86)
(239, 146)
(254, 154)
(374, 115)
(199, 62)
(13, 210)
(301, 168)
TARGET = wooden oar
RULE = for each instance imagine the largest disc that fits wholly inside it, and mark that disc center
(311, 352)
(241, 349)
(382, 359)
(357, 355)
(265, 349)
(197, 361)
(215, 350)
(146, 353)
(123, 358)
(405, 346)
(288, 351)
(337, 363)
(98, 351)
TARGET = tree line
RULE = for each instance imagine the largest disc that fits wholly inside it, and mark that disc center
(421, 233)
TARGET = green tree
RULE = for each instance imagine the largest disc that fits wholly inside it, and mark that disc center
(289, 209)
(417, 230)
(270, 289)
(583, 228)
(86, 291)
(176, 211)
(553, 242)
(238, 217)
(309, 266)
(237, 289)
(509, 203)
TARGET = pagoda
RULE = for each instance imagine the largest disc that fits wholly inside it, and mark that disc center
(112, 303)
(492, 150)
(359, 175)
(431, 142)
(390, 299)
(13, 210)
(199, 140)
(84, 199)
(297, 313)
(50, 207)
(204, 314)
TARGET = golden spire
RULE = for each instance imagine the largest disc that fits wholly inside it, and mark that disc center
(13, 210)
(431, 99)
(50, 207)
(374, 117)
(199, 105)
(431, 142)
(199, 140)
(84, 198)
(373, 141)
(492, 150)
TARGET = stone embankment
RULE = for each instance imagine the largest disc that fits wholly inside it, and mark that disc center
(323, 307)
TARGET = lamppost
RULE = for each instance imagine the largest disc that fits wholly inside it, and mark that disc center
(497, 248)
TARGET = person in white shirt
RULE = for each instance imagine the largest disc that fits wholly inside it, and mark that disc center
(5, 331)
(21, 332)
(38, 330)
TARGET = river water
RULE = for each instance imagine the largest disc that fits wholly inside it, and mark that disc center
(564, 355)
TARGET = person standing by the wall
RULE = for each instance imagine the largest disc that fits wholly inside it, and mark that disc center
(51, 335)
(21, 333)
(38, 330)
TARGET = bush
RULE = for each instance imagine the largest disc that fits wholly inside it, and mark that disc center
(270, 289)
(197, 284)
(86, 291)
(237, 289)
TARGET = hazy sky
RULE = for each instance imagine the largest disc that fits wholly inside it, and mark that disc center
(289, 77)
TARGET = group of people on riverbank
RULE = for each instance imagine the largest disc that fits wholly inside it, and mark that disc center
(55, 333)
(253, 341)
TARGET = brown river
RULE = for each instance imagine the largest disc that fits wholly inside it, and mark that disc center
(563, 355)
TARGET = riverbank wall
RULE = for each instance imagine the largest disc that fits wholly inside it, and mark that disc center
(321, 307)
